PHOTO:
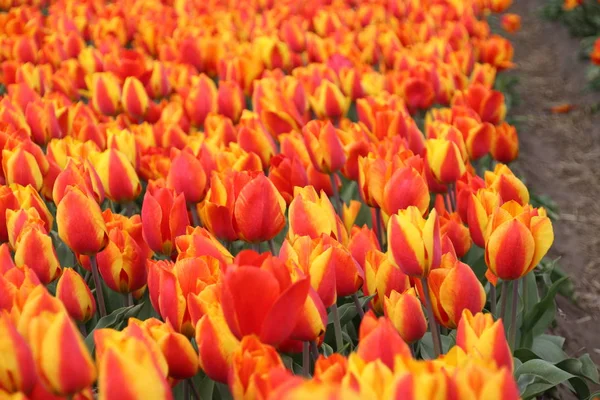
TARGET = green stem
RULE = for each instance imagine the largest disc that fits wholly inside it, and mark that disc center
(503, 295)
(306, 359)
(513, 320)
(272, 246)
(255, 247)
(195, 218)
(433, 326)
(337, 327)
(452, 193)
(98, 284)
(336, 195)
(359, 309)
(378, 225)
(127, 299)
(314, 351)
(189, 382)
(493, 300)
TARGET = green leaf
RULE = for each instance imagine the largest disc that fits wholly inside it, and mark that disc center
(539, 318)
(224, 391)
(206, 388)
(548, 350)
(327, 349)
(426, 345)
(582, 366)
(547, 376)
(113, 320)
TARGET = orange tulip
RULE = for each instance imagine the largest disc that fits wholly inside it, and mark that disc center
(382, 277)
(20, 166)
(505, 143)
(201, 99)
(76, 296)
(405, 312)
(105, 92)
(134, 98)
(271, 310)
(62, 361)
(230, 100)
(445, 160)
(35, 249)
(117, 174)
(504, 182)
(176, 348)
(164, 217)
(328, 101)
(17, 372)
(480, 334)
(187, 176)
(517, 239)
(415, 242)
(80, 223)
(82, 175)
(378, 340)
(511, 23)
(324, 146)
(287, 173)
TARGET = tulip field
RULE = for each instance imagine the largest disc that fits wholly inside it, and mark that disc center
(270, 199)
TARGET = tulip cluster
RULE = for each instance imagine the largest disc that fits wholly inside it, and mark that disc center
(160, 147)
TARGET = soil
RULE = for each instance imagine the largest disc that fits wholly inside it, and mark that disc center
(560, 158)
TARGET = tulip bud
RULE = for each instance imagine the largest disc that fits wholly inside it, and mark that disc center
(201, 100)
(230, 100)
(415, 242)
(21, 167)
(445, 160)
(406, 314)
(129, 365)
(82, 175)
(328, 101)
(35, 249)
(76, 296)
(17, 371)
(8, 201)
(122, 263)
(187, 176)
(28, 197)
(179, 354)
(330, 369)
(378, 340)
(80, 223)
(62, 359)
(19, 221)
(381, 278)
(164, 217)
(480, 334)
(106, 92)
(121, 182)
(134, 98)
(505, 143)
(287, 173)
(504, 182)
(517, 240)
(324, 146)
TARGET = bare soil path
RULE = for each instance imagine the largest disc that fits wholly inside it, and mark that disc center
(560, 157)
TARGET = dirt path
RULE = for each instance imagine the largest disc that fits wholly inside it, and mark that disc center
(560, 157)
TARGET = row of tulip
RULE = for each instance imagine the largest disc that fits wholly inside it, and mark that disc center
(208, 198)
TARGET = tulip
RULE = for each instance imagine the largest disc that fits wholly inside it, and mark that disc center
(413, 386)
(406, 314)
(176, 348)
(287, 173)
(382, 277)
(312, 215)
(497, 51)
(187, 176)
(511, 23)
(415, 242)
(76, 296)
(80, 223)
(480, 334)
(255, 302)
(517, 239)
(481, 206)
(20, 166)
(254, 138)
(488, 104)
(122, 263)
(62, 361)
(230, 100)
(17, 371)
(328, 101)
(445, 160)
(324, 146)
(20, 221)
(484, 74)
(134, 98)
(129, 367)
(504, 182)
(199, 242)
(124, 140)
(454, 287)
(105, 92)
(82, 175)
(117, 174)
(201, 100)
(164, 217)
(216, 343)
(505, 143)
(251, 368)
(370, 378)
(43, 121)
(474, 381)
(373, 332)
(35, 249)
(330, 369)
(273, 52)
(362, 241)
(8, 201)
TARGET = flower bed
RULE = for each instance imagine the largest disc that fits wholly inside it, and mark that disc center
(266, 200)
